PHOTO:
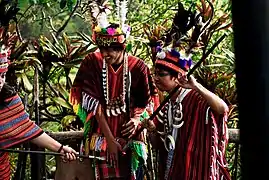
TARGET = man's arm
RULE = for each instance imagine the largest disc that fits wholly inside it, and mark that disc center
(216, 103)
(101, 119)
(113, 145)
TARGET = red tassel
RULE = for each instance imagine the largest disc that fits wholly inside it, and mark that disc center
(89, 116)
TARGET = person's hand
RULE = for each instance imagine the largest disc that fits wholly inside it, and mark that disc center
(131, 127)
(68, 153)
(114, 148)
(190, 83)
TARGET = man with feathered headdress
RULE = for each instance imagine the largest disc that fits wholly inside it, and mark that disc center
(111, 92)
(191, 129)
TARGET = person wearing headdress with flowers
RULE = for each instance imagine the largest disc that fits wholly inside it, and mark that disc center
(16, 127)
(111, 93)
(190, 131)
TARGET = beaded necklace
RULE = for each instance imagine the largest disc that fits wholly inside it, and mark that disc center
(172, 118)
(117, 105)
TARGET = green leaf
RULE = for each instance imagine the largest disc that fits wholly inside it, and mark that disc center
(70, 4)
(62, 4)
(62, 102)
(26, 83)
(63, 92)
(68, 119)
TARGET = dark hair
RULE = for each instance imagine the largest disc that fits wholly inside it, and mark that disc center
(172, 72)
(114, 46)
(6, 92)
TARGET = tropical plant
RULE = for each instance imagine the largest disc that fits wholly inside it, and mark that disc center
(50, 38)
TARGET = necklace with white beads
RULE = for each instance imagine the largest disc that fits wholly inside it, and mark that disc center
(117, 105)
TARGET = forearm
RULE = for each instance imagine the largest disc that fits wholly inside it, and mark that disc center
(47, 142)
(101, 119)
(216, 103)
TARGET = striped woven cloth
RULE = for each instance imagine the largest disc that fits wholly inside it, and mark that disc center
(15, 128)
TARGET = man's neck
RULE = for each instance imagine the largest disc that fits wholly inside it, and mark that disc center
(174, 97)
(118, 63)
(120, 59)
(116, 66)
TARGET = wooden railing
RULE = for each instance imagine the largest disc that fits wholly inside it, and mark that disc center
(73, 136)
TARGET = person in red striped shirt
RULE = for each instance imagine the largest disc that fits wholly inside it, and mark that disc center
(15, 125)
(192, 126)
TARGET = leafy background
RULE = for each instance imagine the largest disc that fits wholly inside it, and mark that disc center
(51, 37)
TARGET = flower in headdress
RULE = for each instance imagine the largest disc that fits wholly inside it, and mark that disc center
(103, 30)
(111, 31)
(161, 55)
(158, 48)
(97, 29)
(118, 31)
(182, 63)
(126, 29)
(121, 39)
(189, 63)
(175, 53)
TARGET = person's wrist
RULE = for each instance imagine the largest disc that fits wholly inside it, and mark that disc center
(196, 86)
(136, 117)
(60, 148)
(111, 140)
(151, 126)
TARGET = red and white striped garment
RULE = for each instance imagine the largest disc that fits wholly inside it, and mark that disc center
(200, 146)
(89, 81)
(15, 128)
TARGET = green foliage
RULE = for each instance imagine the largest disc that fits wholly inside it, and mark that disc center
(51, 38)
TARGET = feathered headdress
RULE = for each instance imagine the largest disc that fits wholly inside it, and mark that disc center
(176, 44)
(172, 59)
(106, 33)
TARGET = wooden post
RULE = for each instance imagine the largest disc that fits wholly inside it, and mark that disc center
(38, 161)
